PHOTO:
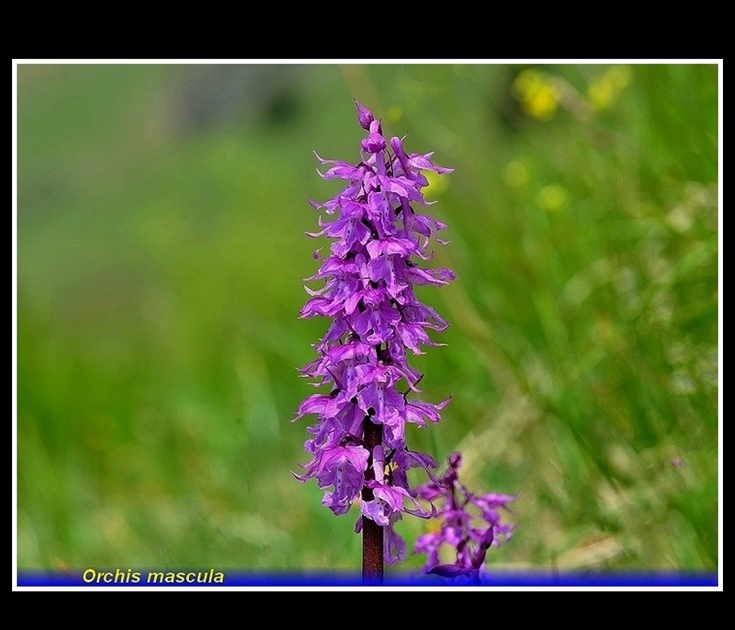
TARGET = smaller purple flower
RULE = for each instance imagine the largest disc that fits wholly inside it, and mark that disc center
(471, 524)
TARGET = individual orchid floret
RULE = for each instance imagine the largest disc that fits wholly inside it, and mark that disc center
(364, 116)
(471, 525)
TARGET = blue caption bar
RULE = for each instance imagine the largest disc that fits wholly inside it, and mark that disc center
(223, 577)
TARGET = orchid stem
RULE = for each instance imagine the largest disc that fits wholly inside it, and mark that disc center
(372, 533)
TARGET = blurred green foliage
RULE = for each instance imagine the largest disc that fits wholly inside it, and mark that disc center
(160, 250)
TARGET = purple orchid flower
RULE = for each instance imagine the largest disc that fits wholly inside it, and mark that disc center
(379, 241)
(358, 444)
(471, 524)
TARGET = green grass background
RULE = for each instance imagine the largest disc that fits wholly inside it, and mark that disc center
(161, 212)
